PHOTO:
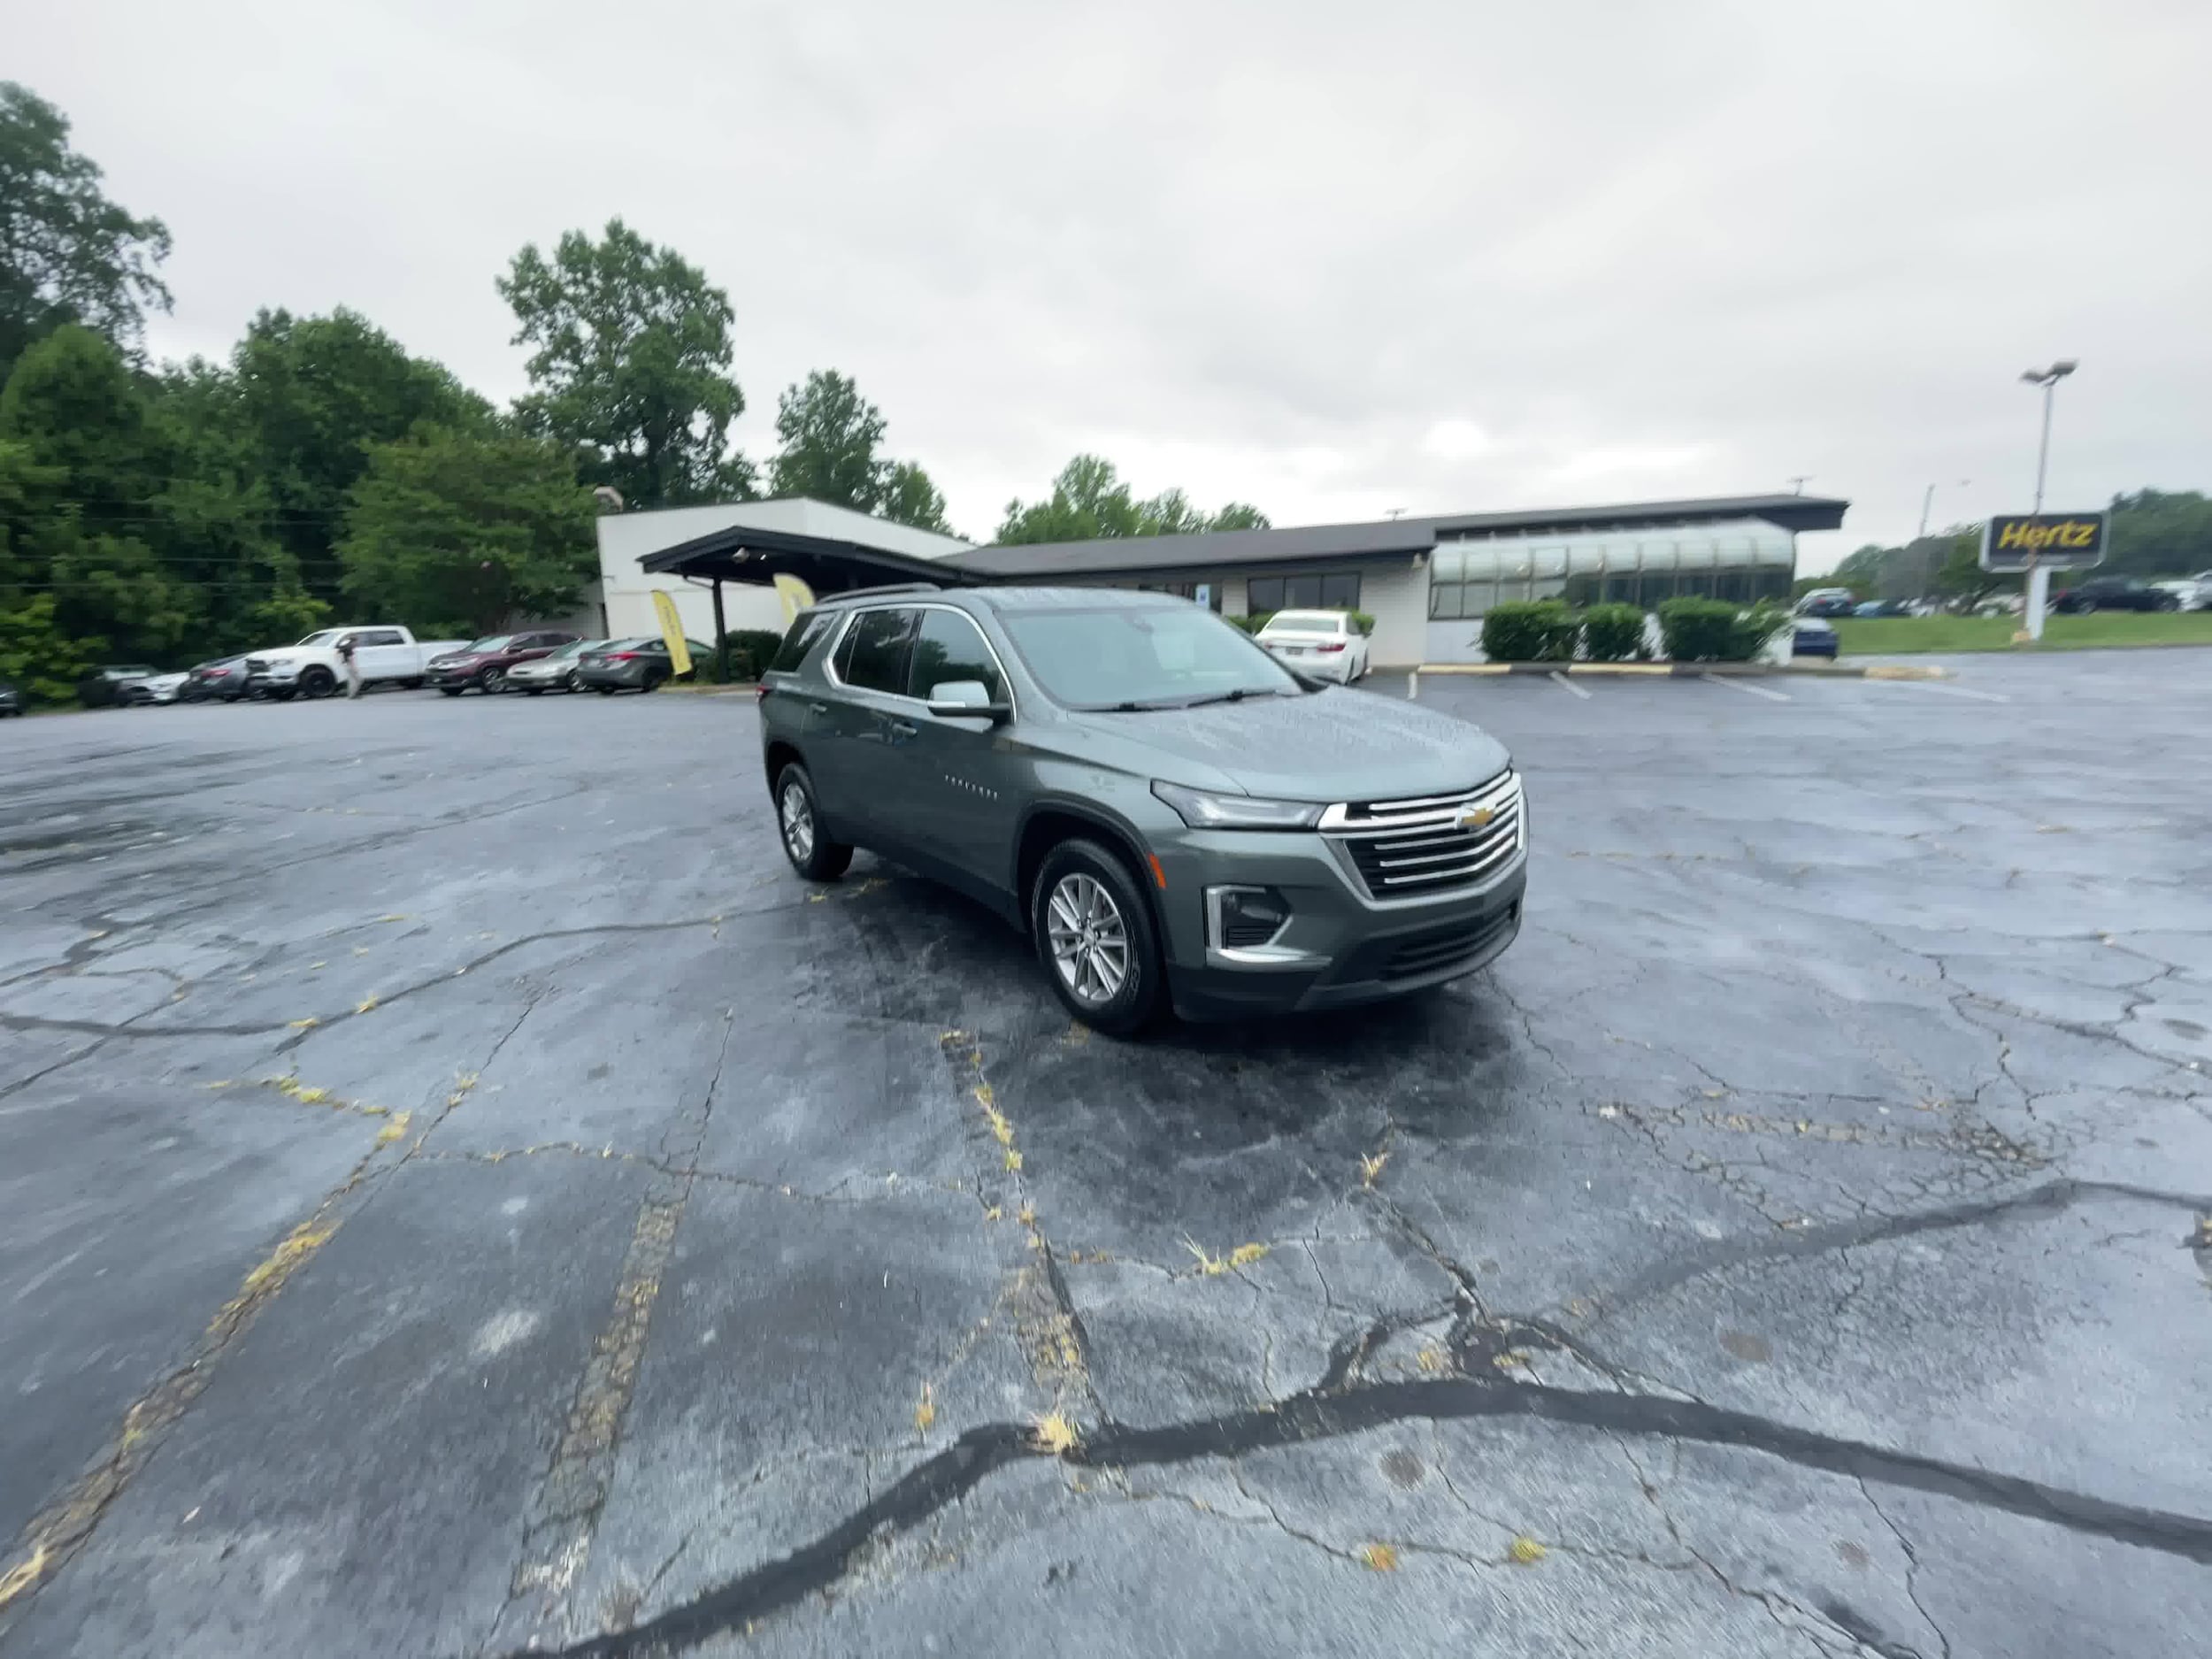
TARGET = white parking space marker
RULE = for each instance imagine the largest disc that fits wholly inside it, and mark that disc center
(1948, 691)
(1748, 690)
(1413, 687)
(1565, 684)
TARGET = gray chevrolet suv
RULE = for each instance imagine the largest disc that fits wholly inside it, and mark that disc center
(1167, 811)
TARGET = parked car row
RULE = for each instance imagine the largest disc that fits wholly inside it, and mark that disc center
(533, 662)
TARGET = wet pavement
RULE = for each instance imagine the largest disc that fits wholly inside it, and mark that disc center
(460, 1195)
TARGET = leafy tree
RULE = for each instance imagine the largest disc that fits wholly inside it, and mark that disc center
(67, 253)
(304, 402)
(88, 528)
(2160, 533)
(630, 366)
(832, 437)
(1089, 501)
(830, 434)
(908, 498)
(36, 656)
(460, 532)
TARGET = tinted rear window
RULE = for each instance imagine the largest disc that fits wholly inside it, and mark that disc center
(807, 633)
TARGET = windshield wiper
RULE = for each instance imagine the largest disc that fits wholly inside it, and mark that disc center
(1238, 695)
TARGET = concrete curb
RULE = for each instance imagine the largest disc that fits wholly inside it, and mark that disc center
(1697, 671)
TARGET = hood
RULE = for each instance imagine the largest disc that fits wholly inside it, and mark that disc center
(1328, 746)
(291, 654)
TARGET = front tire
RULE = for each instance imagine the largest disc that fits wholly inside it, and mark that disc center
(317, 682)
(806, 843)
(572, 681)
(1094, 938)
(492, 682)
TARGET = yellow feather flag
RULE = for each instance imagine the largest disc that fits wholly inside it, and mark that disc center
(672, 631)
(797, 596)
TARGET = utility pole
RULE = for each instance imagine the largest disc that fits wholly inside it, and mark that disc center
(2038, 573)
(1927, 501)
(1798, 481)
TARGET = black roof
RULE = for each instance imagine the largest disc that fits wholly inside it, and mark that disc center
(740, 553)
(1389, 537)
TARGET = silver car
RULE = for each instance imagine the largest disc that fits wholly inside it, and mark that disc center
(553, 673)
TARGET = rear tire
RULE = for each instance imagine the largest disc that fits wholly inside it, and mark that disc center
(652, 682)
(1094, 938)
(806, 843)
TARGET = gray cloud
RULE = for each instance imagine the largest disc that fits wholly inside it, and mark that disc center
(1430, 257)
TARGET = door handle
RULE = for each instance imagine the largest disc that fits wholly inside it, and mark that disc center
(818, 708)
(904, 728)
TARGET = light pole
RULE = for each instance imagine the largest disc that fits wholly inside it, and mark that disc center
(2038, 574)
(1927, 501)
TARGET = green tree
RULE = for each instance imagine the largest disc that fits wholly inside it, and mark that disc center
(89, 527)
(304, 401)
(832, 442)
(2161, 533)
(462, 531)
(67, 253)
(908, 498)
(36, 656)
(831, 435)
(1960, 576)
(630, 365)
(1089, 501)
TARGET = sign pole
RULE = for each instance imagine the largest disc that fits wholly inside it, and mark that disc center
(2039, 577)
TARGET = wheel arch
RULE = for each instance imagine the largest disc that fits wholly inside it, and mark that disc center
(1048, 822)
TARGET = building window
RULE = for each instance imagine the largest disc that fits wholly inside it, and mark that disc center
(1211, 591)
(1336, 592)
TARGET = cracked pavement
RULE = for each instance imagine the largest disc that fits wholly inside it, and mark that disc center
(462, 1196)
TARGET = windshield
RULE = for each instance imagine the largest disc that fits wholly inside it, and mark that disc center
(1148, 657)
(328, 636)
(1304, 622)
(490, 642)
(576, 648)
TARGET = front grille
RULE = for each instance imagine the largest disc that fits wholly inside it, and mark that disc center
(1429, 952)
(1402, 848)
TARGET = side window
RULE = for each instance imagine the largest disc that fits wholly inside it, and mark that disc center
(948, 646)
(875, 652)
(377, 636)
(1263, 594)
(805, 635)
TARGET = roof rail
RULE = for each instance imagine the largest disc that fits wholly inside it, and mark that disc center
(889, 588)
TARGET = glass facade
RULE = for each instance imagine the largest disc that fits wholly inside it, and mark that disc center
(1742, 559)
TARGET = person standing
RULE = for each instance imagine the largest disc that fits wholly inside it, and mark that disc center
(352, 668)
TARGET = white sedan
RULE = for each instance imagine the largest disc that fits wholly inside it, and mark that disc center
(1324, 644)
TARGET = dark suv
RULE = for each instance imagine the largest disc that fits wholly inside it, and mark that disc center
(2116, 593)
(1169, 812)
(484, 662)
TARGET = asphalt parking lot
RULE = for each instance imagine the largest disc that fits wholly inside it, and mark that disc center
(460, 1195)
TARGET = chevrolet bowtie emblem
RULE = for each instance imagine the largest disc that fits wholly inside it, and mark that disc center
(1476, 818)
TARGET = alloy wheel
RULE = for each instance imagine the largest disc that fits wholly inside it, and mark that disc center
(798, 823)
(1089, 938)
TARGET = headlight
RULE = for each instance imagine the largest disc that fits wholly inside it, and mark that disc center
(1202, 811)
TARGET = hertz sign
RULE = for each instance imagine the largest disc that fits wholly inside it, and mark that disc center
(2055, 540)
(2051, 541)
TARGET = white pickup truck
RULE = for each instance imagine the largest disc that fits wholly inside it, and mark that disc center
(385, 657)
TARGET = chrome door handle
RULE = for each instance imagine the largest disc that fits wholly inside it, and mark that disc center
(818, 708)
(903, 729)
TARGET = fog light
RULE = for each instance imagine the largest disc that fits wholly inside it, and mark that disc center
(1246, 917)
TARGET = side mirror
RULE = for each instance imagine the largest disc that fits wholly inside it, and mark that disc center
(968, 699)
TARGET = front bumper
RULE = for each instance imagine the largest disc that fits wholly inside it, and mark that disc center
(458, 674)
(1341, 947)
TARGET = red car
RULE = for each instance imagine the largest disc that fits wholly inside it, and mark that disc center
(484, 662)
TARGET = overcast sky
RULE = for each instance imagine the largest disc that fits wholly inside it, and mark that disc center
(1332, 260)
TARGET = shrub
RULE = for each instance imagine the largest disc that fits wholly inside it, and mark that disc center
(1715, 631)
(1363, 622)
(1253, 623)
(751, 649)
(1613, 633)
(1522, 631)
